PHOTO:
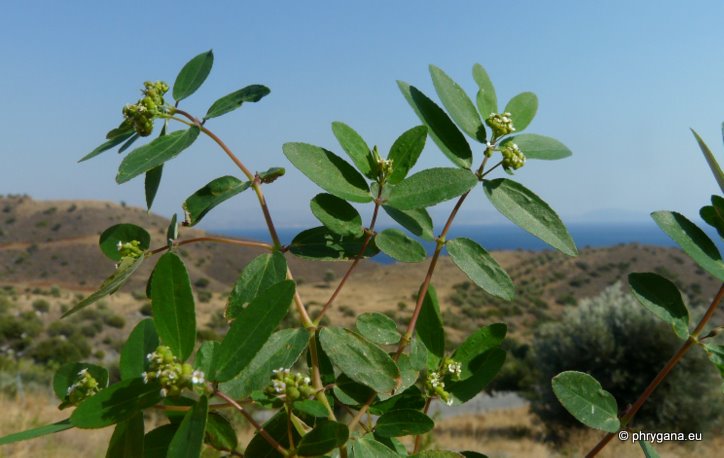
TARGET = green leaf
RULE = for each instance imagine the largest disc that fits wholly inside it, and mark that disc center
(475, 346)
(311, 407)
(437, 454)
(403, 422)
(442, 130)
(231, 102)
(648, 449)
(325, 437)
(172, 302)
(662, 298)
(710, 159)
(220, 433)
(480, 267)
(110, 285)
(155, 443)
(351, 393)
(282, 349)
(585, 399)
(192, 75)
(205, 355)
(189, 437)
(416, 220)
(361, 360)
(337, 215)
(250, 330)
(368, 447)
(536, 146)
(468, 454)
(525, 209)
(378, 328)
(259, 275)
(36, 432)
(418, 354)
(483, 368)
(116, 403)
(151, 184)
(172, 231)
(68, 374)
(405, 152)
(128, 143)
(356, 148)
(430, 187)
(410, 398)
(394, 243)
(276, 426)
(215, 192)
(322, 244)
(123, 233)
(153, 154)
(486, 99)
(329, 171)
(110, 144)
(271, 174)
(522, 109)
(716, 355)
(429, 328)
(458, 104)
(692, 240)
(714, 214)
(127, 438)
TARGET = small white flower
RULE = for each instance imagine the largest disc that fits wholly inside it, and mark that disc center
(119, 245)
(279, 386)
(197, 377)
(82, 372)
(449, 401)
(145, 377)
(307, 380)
(163, 392)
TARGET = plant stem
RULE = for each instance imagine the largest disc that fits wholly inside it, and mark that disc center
(693, 338)
(228, 241)
(276, 445)
(357, 259)
(418, 438)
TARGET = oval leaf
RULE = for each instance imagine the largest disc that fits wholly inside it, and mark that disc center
(361, 360)
(486, 99)
(123, 233)
(356, 148)
(311, 407)
(172, 302)
(155, 443)
(116, 403)
(430, 329)
(127, 438)
(442, 130)
(522, 109)
(150, 156)
(368, 447)
(151, 183)
(110, 285)
(458, 104)
(142, 341)
(403, 422)
(480, 267)
(378, 328)
(189, 437)
(250, 331)
(536, 146)
(416, 220)
(259, 275)
(430, 187)
(585, 399)
(714, 214)
(662, 298)
(394, 243)
(322, 244)
(405, 152)
(483, 368)
(217, 191)
(192, 75)
(473, 348)
(337, 215)
(692, 240)
(276, 426)
(220, 434)
(329, 171)
(231, 102)
(525, 209)
(325, 437)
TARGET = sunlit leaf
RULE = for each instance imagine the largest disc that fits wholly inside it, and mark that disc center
(585, 399)
(153, 154)
(231, 102)
(192, 75)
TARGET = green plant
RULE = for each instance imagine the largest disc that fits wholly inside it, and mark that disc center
(372, 370)
(584, 397)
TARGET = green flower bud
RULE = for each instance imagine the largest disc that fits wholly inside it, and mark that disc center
(501, 124)
(513, 157)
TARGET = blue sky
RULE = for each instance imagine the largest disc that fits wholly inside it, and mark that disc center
(619, 82)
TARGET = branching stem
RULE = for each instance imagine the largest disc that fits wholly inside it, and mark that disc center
(225, 240)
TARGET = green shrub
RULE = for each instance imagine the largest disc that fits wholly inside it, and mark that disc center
(41, 305)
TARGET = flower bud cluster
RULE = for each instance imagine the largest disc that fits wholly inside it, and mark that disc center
(130, 249)
(513, 157)
(501, 124)
(173, 375)
(85, 386)
(291, 386)
(141, 114)
(434, 384)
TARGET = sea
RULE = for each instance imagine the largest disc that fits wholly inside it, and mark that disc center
(510, 237)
